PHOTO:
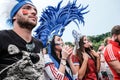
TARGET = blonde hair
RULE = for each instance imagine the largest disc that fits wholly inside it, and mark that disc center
(106, 40)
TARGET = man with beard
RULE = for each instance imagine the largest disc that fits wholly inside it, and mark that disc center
(112, 52)
(20, 56)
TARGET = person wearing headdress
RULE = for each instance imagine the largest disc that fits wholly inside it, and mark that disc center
(58, 61)
(86, 60)
(19, 51)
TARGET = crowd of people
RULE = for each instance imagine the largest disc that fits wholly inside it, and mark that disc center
(45, 55)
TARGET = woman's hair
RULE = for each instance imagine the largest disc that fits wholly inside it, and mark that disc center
(81, 50)
(53, 53)
(106, 40)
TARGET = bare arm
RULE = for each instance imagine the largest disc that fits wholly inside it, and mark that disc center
(62, 67)
(74, 70)
(98, 64)
(52, 71)
(72, 66)
(82, 69)
(97, 55)
(115, 65)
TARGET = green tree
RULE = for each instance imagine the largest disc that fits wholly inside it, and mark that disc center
(70, 44)
(98, 39)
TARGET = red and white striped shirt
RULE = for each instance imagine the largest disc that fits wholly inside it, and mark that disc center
(112, 53)
(53, 73)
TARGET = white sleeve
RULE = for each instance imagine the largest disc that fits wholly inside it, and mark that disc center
(51, 70)
(75, 77)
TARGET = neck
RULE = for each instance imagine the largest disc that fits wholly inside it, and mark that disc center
(23, 33)
(113, 39)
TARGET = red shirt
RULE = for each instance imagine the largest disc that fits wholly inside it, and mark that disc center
(112, 52)
(91, 75)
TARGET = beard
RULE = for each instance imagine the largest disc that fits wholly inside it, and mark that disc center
(117, 40)
(26, 24)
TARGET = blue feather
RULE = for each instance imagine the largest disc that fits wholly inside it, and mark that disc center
(23, 0)
(54, 20)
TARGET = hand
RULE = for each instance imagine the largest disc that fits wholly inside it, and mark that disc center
(66, 51)
(95, 53)
(85, 56)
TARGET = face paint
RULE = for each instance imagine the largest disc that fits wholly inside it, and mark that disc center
(59, 44)
(25, 12)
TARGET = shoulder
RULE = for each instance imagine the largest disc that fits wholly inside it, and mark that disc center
(4, 34)
(110, 53)
(38, 42)
(47, 58)
(75, 59)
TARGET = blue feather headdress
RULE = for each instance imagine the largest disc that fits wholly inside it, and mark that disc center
(54, 20)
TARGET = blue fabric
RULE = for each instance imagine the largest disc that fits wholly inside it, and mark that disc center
(51, 57)
(16, 8)
(56, 63)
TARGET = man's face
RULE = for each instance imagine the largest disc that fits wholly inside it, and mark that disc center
(117, 38)
(26, 17)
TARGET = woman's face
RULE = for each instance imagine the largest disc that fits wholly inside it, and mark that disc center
(58, 43)
(86, 42)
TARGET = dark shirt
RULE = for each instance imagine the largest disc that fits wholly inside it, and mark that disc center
(12, 45)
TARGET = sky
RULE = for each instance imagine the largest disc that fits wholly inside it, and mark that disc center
(103, 15)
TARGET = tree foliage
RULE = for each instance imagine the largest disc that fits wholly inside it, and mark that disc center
(98, 39)
(69, 43)
(95, 39)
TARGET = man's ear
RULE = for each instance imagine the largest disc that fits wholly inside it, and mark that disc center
(14, 18)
